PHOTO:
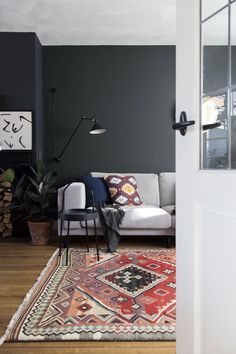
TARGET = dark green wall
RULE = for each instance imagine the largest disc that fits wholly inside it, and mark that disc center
(21, 88)
(131, 89)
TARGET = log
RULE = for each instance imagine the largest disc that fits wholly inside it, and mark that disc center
(7, 233)
(9, 226)
(6, 184)
(8, 193)
(6, 218)
(2, 227)
(8, 197)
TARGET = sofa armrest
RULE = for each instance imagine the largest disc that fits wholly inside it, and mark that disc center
(75, 196)
(167, 188)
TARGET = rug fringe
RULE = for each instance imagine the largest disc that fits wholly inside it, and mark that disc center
(25, 301)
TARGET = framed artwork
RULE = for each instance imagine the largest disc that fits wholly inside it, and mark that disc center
(16, 130)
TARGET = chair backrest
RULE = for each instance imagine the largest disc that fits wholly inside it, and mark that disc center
(147, 185)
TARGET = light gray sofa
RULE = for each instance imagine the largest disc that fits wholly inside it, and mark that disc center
(153, 217)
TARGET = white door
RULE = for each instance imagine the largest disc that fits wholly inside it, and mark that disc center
(206, 197)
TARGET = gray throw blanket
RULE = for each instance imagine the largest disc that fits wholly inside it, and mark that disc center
(111, 217)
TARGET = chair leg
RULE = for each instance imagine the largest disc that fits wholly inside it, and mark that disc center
(60, 240)
(87, 237)
(67, 242)
(96, 238)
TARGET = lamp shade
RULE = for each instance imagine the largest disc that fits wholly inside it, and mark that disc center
(97, 129)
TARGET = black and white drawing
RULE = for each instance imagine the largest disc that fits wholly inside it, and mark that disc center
(16, 130)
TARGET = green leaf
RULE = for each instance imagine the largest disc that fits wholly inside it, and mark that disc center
(35, 209)
(19, 192)
(9, 175)
(33, 196)
(25, 196)
(34, 182)
(33, 170)
(48, 177)
(20, 182)
(40, 171)
(21, 216)
(51, 190)
(17, 206)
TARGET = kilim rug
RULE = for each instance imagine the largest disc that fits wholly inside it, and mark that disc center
(128, 295)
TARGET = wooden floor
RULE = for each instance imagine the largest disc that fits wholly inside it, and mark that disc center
(20, 265)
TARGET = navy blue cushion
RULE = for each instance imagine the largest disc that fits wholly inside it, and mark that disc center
(99, 188)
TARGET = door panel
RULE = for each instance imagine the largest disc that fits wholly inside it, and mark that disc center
(214, 290)
(205, 215)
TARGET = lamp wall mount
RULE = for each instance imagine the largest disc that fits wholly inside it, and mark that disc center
(183, 123)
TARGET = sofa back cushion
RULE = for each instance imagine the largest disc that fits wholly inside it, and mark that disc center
(167, 188)
(98, 187)
(147, 184)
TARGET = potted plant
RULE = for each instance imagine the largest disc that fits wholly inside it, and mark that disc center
(32, 195)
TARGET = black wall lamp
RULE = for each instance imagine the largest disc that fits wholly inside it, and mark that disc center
(96, 129)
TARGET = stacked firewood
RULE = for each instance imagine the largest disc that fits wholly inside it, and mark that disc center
(5, 204)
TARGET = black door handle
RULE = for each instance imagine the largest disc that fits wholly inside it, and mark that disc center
(183, 123)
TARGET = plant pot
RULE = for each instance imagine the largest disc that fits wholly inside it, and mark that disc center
(40, 230)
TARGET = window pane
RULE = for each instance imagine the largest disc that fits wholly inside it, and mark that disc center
(217, 156)
(215, 52)
(233, 42)
(211, 6)
(215, 148)
(233, 129)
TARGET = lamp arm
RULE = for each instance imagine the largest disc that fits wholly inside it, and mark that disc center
(91, 119)
(58, 158)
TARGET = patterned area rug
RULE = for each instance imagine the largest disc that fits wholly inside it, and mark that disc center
(128, 295)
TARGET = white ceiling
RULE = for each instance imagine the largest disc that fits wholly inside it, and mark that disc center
(92, 22)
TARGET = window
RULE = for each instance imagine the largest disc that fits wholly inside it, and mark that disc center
(218, 84)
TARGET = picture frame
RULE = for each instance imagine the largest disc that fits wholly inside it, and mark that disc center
(16, 130)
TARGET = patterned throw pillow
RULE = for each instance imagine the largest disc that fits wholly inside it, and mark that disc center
(123, 190)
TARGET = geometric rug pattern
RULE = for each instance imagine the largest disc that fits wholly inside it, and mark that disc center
(127, 295)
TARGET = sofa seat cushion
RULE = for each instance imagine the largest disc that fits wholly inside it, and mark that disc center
(145, 217)
(171, 210)
(142, 217)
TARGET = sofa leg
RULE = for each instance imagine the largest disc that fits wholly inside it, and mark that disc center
(168, 241)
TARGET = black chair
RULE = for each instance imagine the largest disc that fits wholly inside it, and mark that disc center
(80, 215)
